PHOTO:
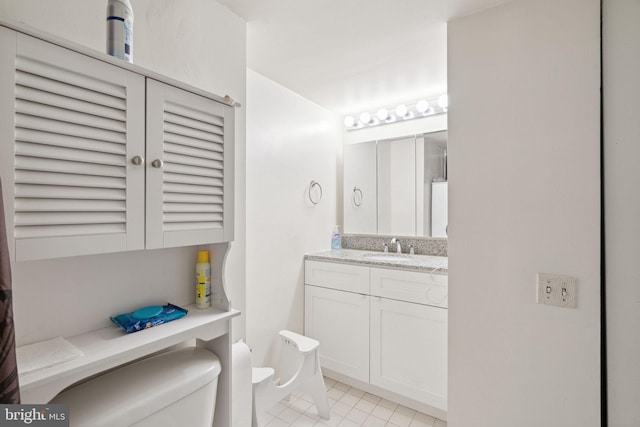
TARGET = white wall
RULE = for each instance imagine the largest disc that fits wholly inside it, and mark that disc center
(198, 42)
(524, 119)
(290, 141)
(621, 68)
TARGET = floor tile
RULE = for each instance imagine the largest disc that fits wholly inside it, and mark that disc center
(406, 411)
(418, 423)
(304, 421)
(349, 407)
(382, 412)
(341, 386)
(400, 419)
(328, 382)
(289, 415)
(357, 416)
(335, 393)
(349, 399)
(300, 405)
(348, 423)
(365, 406)
(372, 421)
(427, 419)
(331, 422)
(340, 409)
(277, 409)
(356, 392)
(371, 398)
(388, 404)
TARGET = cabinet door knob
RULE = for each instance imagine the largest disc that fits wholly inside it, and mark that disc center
(157, 163)
(137, 160)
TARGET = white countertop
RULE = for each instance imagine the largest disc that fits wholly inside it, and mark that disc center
(434, 264)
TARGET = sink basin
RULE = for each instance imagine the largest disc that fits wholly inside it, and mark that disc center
(388, 257)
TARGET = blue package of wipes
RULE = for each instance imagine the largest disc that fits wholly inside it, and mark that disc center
(149, 316)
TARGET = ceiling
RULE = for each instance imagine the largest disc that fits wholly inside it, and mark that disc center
(353, 55)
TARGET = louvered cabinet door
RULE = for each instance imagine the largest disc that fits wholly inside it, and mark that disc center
(189, 168)
(7, 78)
(78, 124)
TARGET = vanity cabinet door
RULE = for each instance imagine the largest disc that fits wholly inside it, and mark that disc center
(409, 350)
(189, 169)
(71, 187)
(340, 322)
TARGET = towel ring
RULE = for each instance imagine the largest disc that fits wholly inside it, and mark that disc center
(314, 184)
(357, 203)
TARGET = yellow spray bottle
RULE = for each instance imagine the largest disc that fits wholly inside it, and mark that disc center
(203, 280)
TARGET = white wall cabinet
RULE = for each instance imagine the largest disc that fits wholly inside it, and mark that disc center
(391, 333)
(98, 158)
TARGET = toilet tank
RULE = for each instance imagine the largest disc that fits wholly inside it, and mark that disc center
(177, 388)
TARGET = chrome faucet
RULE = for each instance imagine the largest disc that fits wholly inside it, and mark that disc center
(396, 241)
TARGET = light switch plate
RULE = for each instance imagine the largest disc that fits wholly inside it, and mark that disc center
(553, 289)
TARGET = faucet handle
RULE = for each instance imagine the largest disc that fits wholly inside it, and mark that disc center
(386, 248)
(411, 251)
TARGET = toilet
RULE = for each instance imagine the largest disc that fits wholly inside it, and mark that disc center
(177, 388)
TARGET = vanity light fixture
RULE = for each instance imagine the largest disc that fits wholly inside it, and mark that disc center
(383, 114)
(349, 121)
(423, 108)
(402, 111)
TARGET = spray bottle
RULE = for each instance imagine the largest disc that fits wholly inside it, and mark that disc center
(120, 29)
(203, 280)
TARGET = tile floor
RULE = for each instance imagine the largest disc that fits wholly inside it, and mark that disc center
(350, 407)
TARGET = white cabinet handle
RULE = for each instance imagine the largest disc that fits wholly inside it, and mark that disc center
(157, 163)
(138, 160)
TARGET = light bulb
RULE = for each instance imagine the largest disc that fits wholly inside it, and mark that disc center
(401, 110)
(423, 106)
(383, 114)
(443, 101)
(349, 121)
(365, 118)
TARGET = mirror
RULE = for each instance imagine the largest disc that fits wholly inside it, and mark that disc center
(397, 186)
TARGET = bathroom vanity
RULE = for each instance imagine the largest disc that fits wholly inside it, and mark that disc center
(381, 320)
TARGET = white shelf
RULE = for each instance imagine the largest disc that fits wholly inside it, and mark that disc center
(110, 347)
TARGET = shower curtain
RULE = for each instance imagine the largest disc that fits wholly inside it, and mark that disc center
(9, 387)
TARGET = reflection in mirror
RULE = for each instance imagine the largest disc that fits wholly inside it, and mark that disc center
(435, 187)
(397, 187)
(396, 174)
(359, 195)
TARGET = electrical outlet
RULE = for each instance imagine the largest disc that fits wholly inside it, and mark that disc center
(553, 289)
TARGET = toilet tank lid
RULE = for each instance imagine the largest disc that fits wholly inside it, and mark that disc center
(131, 393)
